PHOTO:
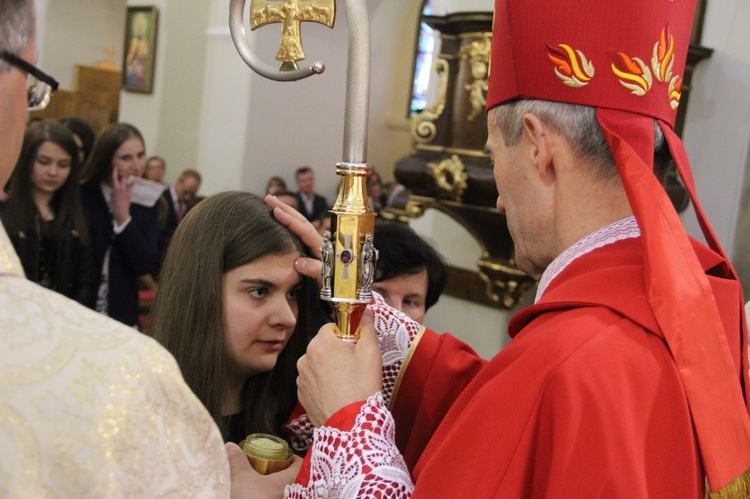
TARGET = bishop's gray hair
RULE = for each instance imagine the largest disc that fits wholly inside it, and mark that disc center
(17, 27)
(579, 126)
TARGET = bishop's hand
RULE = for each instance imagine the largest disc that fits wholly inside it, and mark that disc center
(299, 225)
(335, 373)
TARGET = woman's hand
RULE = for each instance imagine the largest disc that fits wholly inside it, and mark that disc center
(299, 225)
(246, 482)
(122, 190)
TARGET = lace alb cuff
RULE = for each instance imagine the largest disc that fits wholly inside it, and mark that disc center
(361, 462)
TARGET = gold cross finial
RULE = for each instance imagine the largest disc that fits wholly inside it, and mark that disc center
(290, 13)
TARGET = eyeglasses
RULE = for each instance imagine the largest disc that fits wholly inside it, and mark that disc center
(39, 85)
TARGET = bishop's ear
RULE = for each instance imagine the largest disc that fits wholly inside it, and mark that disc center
(539, 141)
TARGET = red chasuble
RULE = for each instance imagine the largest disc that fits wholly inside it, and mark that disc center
(586, 401)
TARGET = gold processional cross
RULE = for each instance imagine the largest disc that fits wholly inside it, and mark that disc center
(290, 13)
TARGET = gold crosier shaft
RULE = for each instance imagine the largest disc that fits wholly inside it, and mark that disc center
(348, 253)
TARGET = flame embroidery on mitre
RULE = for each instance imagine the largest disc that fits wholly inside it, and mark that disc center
(675, 91)
(571, 66)
(634, 75)
(662, 58)
(662, 62)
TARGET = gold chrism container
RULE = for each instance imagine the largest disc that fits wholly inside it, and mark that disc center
(267, 453)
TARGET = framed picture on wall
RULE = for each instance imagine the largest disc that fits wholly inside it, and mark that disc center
(139, 51)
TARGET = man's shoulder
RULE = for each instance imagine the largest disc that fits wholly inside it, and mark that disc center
(46, 323)
(77, 380)
(582, 337)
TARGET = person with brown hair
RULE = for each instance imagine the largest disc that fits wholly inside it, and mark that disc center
(231, 309)
(83, 134)
(156, 167)
(123, 232)
(44, 217)
(275, 184)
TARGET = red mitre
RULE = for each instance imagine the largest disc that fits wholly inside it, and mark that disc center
(627, 59)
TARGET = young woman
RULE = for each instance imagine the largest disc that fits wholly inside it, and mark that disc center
(43, 215)
(230, 308)
(123, 233)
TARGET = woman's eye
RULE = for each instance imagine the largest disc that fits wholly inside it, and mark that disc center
(258, 293)
(293, 294)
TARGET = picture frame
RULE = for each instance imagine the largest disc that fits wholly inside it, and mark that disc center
(139, 49)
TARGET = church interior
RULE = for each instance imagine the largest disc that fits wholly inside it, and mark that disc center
(207, 110)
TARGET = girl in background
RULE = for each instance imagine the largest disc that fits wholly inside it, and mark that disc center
(43, 215)
(230, 308)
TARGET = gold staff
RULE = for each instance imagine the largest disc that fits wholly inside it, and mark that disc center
(348, 254)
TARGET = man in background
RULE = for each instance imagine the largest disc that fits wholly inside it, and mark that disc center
(174, 204)
(312, 205)
(89, 406)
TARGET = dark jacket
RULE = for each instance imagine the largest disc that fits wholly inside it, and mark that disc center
(167, 224)
(320, 207)
(75, 274)
(133, 250)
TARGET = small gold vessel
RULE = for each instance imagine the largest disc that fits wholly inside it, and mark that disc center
(267, 453)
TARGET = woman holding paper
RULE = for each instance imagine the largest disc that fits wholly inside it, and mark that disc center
(121, 217)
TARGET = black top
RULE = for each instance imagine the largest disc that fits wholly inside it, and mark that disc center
(63, 264)
(236, 428)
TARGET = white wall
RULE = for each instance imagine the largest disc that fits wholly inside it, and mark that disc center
(78, 32)
(224, 106)
(717, 126)
(169, 118)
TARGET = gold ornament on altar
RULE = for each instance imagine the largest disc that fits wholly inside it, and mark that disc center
(478, 55)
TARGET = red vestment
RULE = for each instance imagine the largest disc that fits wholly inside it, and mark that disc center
(585, 401)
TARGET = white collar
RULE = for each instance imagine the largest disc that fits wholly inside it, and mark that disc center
(626, 228)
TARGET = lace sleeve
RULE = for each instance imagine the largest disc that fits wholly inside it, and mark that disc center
(396, 331)
(361, 462)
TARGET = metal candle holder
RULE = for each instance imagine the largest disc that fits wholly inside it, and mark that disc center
(348, 253)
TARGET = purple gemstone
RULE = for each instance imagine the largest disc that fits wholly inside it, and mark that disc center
(346, 257)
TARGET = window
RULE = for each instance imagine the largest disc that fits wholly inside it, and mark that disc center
(422, 63)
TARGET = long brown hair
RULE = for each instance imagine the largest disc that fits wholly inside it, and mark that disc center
(223, 232)
(98, 167)
(20, 212)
